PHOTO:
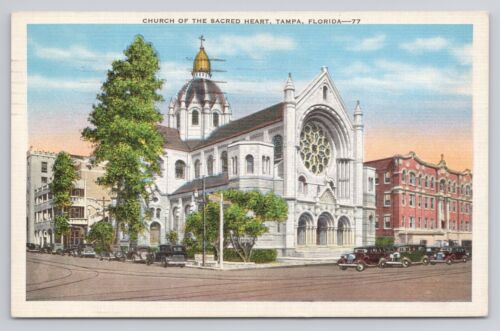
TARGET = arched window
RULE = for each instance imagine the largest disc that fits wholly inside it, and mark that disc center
(178, 120)
(302, 185)
(268, 165)
(278, 147)
(187, 210)
(235, 165)
(223, 161)
(263, 165)
(413, 179)
(403, 176)
(249, 161)
(325, 92)
(426, 181)
(210, 165)
(442, 185)
(432, 182)
(158, 212)
(215, 118)
(195, 117)
(197, 166)
(180, 168)
(154, 234)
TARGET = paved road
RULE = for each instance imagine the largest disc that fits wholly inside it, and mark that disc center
(52, 277)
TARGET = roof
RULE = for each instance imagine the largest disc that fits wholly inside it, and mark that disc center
(413, 155)
(201, 90)
(197, 184)
(260, 119)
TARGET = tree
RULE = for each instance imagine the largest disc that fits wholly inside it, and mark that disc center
(384, 241)
(101, 234)
(172, 237)
(124, 132)
(244, 219)
(65, 174)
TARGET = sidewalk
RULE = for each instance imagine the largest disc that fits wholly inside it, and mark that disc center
(288, 262)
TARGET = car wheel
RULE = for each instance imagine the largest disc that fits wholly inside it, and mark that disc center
(425, 261)
(406, 263)
(360, 266)
(382, 263)
(449, 261)
(341, 267)
(433, 263)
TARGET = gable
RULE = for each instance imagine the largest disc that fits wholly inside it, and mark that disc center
(327, 198)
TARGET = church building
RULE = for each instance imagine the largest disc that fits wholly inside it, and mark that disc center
(308, 149)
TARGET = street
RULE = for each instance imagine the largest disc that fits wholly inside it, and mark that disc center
(53, 277)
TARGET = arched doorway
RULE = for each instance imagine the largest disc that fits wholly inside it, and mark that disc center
(154, 234)
(343, 231)
(303, 229)
(322, 231)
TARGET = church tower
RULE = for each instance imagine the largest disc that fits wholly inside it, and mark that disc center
(200, 106)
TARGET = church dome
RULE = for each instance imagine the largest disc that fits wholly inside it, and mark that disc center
(201, 62)
(201, 90)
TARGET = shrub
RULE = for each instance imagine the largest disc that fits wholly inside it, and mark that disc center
(384, 241)
(258, 255)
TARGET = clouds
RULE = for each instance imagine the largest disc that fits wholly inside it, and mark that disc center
(254, 46)
(39, 82)
(77, 56)
(425, 44)
(367, 44)
(462, 53)
(399, 77)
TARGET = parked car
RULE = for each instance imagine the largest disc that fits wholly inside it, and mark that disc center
(140, 254)
(450, 255)
(86, 250)
(115, 253)
(57, 248)
(406, 255)
(32, 248)
(171, 255)
(362, 257)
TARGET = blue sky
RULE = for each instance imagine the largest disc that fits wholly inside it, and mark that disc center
(417, 76)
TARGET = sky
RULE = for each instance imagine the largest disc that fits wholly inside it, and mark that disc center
(414, 82)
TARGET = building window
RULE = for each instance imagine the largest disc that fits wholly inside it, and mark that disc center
(223, 161)
(195, 117)
(412, 200)
(78, 192)
(278, 147)
(412, 222)
(370, 184)
(403, 176)
(403, 198)
(432, 203)
(178, 120)
(266, 165)
(426, 181)
(158, 212)
(419, 201)
(44, 180)
(210, 165)
(315, 148)
(413, 179)
(432, 182)
(44, 167)
(387, 222)
(215, 120)
(235, 165)
(249, 162)
(376, 178)
(403, 222)
(419, 224)
(180, 168)
(426, 202)
(387, 177)
(197, 167)
(302, 185)
(325, 92)
(387, 200)
(425, 222)
(76, 212)
(442, 185)
(376, 222)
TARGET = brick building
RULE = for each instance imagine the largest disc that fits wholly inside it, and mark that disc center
(422, 202)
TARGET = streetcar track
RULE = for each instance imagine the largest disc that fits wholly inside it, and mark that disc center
(289, 285)
(52, 280)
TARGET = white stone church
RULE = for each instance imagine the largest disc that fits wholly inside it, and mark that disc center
(307, 149)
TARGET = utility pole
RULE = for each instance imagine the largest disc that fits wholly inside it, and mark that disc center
(221, 232)
(204, 221)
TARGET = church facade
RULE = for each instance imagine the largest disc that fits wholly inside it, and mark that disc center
(307, 149)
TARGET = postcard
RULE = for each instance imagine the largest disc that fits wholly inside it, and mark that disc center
(286, 164)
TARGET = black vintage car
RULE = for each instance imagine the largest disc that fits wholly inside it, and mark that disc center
(140, 254)
(450, 255)
(170, 255)
(32, 248)
(406, 255)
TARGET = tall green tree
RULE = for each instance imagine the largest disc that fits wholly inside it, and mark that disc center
(124, 131)
(65, 175)
(244, 220)
(101, 235)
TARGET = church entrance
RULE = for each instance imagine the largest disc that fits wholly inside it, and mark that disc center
(154, 234)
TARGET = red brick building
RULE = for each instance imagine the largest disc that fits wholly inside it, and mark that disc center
(421, 202)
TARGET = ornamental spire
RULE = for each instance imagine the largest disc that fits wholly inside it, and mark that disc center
(201, 63)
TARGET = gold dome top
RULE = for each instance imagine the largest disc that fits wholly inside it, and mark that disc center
(201, 62)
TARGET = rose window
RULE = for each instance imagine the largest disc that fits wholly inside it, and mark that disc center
(315, 149)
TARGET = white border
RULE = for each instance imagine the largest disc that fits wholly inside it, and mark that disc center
(19, 142)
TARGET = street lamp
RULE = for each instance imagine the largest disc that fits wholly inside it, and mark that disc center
(201, 201)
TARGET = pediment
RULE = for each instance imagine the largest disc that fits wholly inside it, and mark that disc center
(328, 197)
